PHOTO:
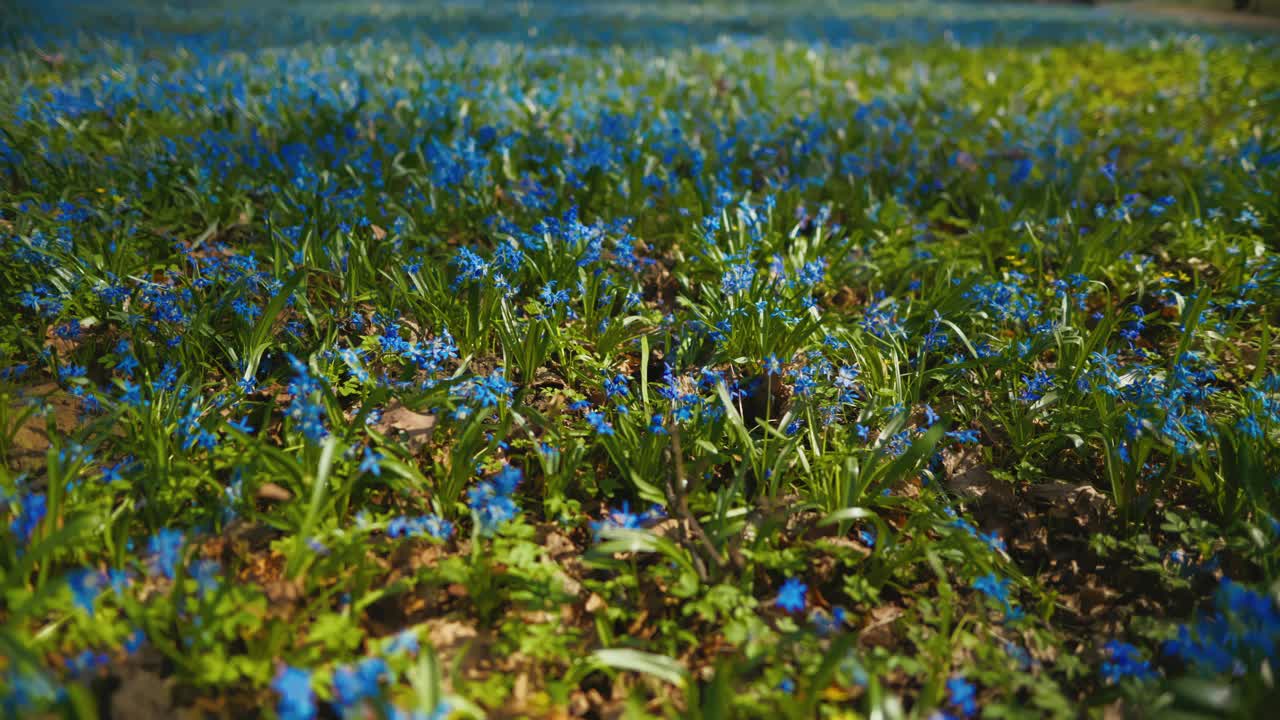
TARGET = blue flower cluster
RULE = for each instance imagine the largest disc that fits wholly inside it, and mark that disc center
(1240, 635)
(1125, 661)
(429, 525)
(623, 518)
(305, 408)
(491, 500)
(229, 247)
(997, 588)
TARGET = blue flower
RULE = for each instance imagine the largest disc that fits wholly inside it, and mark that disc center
(1249, 427)
(406, 641)
(791, 597)
(165, 548)
(306, 412)
(625, 519)
(115, 472)
(656, 424)
(1125, 661)
(134, 641)
(297, 700)
(737, 278)
(616, 387)
(86, 662)
(118, 580)
(491, 500)
(351, 685)
(354, 365)
(772, 366)
(31, 510)
(825, 624)
(492, 509)
(805, 381)
(26, 690)
(552, 297)
(962, 695)
(205, 573)
(997, 588)
(471, 267)
(930, 417)
(1242, 633)
(488, 391)
(192, 432)
(85, 586)
(599, 423)
(508, 479)
(622, 518)
(432, 525)
(993, 541)
(993, 587)
(1037, 385)
(370, 463)
(1019, 655)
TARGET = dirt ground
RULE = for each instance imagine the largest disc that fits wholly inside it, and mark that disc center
(1264, 19)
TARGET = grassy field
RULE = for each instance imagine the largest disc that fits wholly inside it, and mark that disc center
(618, 360)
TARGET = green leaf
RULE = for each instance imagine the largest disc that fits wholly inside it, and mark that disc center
(623, 540)
(659, 666)
(259, 339)
(1208, 694)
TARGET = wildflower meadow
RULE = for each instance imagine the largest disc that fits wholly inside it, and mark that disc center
(426, 360)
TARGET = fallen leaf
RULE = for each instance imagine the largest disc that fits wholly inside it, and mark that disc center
(966, 476)
(415, 426)
(283, 591)
(30, 440)
(878, 629)
(274, 493)
(1070, 496)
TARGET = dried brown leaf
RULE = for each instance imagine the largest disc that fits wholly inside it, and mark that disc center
(274, 493)
(415, 426)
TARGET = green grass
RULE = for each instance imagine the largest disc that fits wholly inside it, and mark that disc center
(832, 360)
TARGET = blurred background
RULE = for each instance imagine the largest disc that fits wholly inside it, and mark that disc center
(605, 21)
